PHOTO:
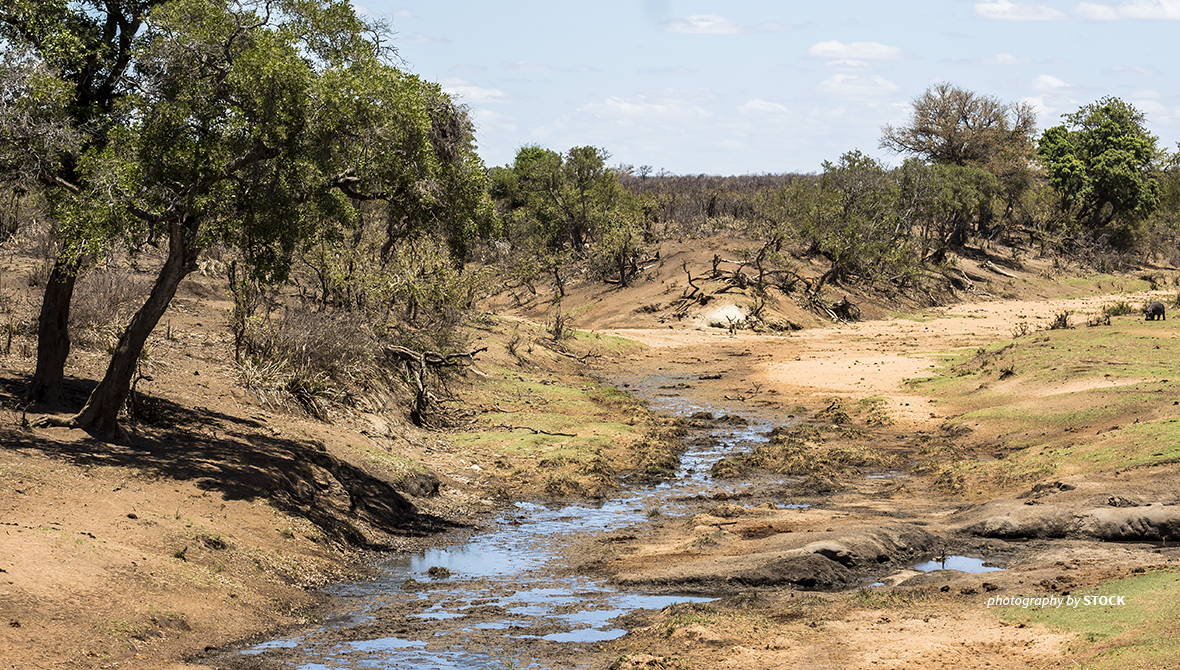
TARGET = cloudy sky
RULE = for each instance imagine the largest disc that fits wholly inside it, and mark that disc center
(759, 86)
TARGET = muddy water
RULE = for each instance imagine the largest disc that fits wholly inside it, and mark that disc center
(500, 600)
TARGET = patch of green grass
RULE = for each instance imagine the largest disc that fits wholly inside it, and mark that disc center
(556, 434)
(1100, 284)
(606, 343)
(804, 450)
(1143, 632)
(888, 598)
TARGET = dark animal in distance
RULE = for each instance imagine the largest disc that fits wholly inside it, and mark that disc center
(1155, 311)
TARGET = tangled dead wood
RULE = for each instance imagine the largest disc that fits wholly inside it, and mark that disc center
(415, 363)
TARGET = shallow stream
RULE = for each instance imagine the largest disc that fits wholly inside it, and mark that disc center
(497, 600)
(502, 599)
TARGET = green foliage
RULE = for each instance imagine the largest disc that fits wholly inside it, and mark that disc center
(554, 206)
(256, 124)
(951, 126)
(1101, 164)
(36, 135)
(853, 221)
(415, 296)
(945, 204)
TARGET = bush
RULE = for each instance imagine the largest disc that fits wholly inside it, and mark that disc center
(1060, 321)
(1117, 308)
(105, 298)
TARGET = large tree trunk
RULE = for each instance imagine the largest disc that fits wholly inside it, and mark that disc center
(53, 333)
(100, 415)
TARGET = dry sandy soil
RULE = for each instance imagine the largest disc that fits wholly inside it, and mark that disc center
(874, 525)
(219, 520)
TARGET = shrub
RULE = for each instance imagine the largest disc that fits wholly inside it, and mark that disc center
(1117, 308)
(1060, 321)
(104, 300)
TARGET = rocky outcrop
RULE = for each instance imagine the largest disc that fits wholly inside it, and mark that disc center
(831, 561)
(1115, 522)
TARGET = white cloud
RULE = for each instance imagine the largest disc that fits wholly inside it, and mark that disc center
(665, 107)
(848, 64)
(1136, 70)
(1048, 84)
(711, 24)
(1151, 10)
(1093, 12)
(853, 86)
(489, 120)
(762, 107)
(1005, 59)
(1037, 102)
(1003, 10)
(857, 51)
(1153, 109)
(469, 92)
(1049, 108)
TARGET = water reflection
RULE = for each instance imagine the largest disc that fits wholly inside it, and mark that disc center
(506, 571)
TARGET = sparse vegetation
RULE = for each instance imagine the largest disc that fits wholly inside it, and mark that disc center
(351, 243)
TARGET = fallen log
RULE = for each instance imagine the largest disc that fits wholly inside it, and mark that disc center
(996, 269)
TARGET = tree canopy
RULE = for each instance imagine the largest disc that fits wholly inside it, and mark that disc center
(258, 124)
(1101, 163)
(954, 126)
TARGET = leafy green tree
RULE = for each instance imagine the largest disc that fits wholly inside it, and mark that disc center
(943, 203)
(954, 126)
(1101, 163)
(621, 244)
(260, 124)
(561, 206)
(566, 197)
(853, 221)
(36, 135)
(88, 47)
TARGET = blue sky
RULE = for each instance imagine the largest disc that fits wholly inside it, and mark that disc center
(753, 86)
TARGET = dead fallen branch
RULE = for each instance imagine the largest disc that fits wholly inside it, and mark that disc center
(746, 395)
(593, 353)
(534, 431)
(996, 269)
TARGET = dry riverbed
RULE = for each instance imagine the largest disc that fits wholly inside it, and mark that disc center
(952, 436)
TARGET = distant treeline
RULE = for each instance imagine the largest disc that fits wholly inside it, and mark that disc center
(695, 199)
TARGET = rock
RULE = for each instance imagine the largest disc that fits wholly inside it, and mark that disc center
(1041, 521)
(643, 661)
(900, 577)
(419, 484)
(1154, 523)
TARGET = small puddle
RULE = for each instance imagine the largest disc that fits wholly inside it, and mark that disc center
(960, 563)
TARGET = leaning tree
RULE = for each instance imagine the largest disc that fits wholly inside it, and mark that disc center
(256, 124)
